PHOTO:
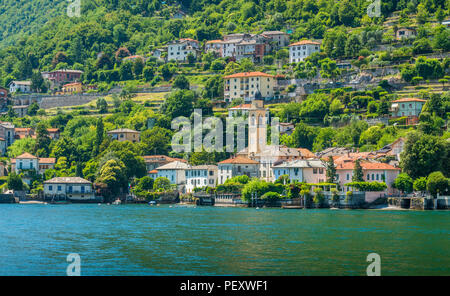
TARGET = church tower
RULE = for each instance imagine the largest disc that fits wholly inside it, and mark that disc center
(257, 127)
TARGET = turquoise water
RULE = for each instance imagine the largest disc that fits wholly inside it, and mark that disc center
(145, 240)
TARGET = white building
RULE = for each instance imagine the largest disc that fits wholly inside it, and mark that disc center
(201, 176)
(27, 163)
(22, 86)
(75, 189)
(174, 171)
(179, 50)
(302, 170)
(299, 51)
(237, 166)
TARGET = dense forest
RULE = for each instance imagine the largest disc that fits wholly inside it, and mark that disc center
(39, 34)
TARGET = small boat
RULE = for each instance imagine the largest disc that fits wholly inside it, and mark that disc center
(152, 203)
(117, 202)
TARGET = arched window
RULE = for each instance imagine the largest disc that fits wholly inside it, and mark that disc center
(253, 119)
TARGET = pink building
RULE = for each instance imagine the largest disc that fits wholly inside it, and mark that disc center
(372, 171)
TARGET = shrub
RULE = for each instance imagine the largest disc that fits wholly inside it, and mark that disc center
(368, 186)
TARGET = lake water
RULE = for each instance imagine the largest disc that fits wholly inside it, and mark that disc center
(150, 240)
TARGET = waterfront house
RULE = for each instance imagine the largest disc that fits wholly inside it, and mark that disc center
(75, 189)
(125, 134)
(237, 166)
(299, 51)
(249, 86)
(302, 170)
(20, 86)
(27, 163)
(178, 50)
(201, 176)
(152, 162)
(175, 172)
(372, 171)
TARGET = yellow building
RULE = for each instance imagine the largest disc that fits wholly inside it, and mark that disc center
(249, 85)
(71, 88)
(124, 134)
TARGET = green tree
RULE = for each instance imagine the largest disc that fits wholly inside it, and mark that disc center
(358, 175)
(404, 183)
(14, 182)
(437, 184)
(181, 82)
(112, 174)
(162, 183)
(420, 184)
(331, 170)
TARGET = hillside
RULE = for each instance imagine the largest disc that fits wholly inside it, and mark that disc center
(20, 18)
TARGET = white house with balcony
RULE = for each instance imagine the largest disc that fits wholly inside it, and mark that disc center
(175, 172)
(75, 189)
(20, 86)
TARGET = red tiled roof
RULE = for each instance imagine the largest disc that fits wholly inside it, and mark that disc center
(214, 41)
(306, 153)
(26, 155)
(408, 100)
(165, 157)
(239, 160)
(153, 172)
(47, 160)
(366, 166)
(248, 74)
(304, 42)
(53, 130)
(242, 106)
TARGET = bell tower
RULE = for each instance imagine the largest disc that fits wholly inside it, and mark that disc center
(257, 127)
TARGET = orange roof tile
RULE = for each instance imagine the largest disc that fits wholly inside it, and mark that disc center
(26, 155)
(408, 100)
(366, 166)
(249, 74)
(242, 106)
(239, 160)
(304, 42)
(47, 160)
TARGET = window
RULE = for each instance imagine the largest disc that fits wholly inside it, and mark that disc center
(82, 189)
(50, 187)
(320, 170)
(348, 177)
(59, 188)
(314, 170)
(211, 173)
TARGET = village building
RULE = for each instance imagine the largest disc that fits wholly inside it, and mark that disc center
(299, 51)
(201, 176)
(125, 134)
(237, 166)
(27, 163)
(239, 110)
(54, 133)
(75, 189)
(407, 107)
(23, 132)
(152, 162)
(134, 58)
(405, 33)
(277, 39)
(175, 172)
(249, 86)
(7, 132)
(286, 128)
(179, 50)
(372, 171)
(62, 76)
(215, 46)
(71, 88)
(160, 53)
(3, 148)
(302, 170)
(20, 86)
(446, 23)
(21, 110)
(3, 94)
